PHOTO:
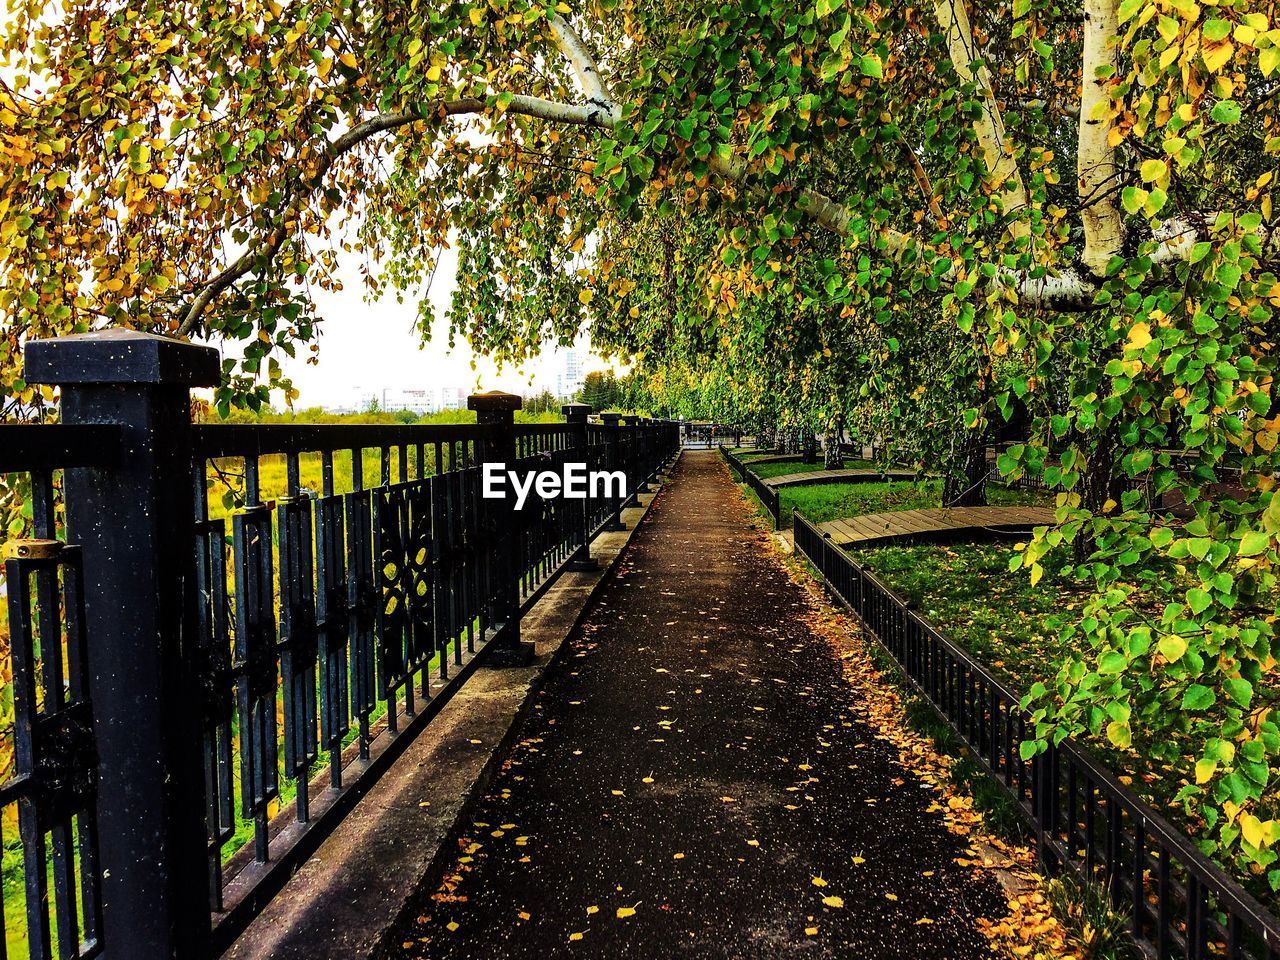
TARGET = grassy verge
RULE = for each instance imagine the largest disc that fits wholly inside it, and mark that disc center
(968, 592)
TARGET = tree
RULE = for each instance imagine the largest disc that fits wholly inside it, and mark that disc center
(544, 402)
(600, 390)
(922, 218)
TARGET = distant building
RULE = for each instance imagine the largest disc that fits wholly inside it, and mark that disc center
(453, 398)
(413, 400)
(569, 377)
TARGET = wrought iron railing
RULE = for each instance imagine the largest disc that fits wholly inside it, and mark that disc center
(252, 623)
(1179, 903)
(767, 495)
(46, 744)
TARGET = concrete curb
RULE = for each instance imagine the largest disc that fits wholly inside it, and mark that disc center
(343, 902)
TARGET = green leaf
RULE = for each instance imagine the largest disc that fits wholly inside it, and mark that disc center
(1254, 542)
(1239, 690)
(1199, 600)
(1198, 697)
(871, 66)
(1226, 111)
(1112, 662)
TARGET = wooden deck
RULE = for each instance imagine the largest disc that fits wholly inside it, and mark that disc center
(862, 475)
(933, 523)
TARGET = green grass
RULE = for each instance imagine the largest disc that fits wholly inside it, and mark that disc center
(829, 501)
(969, 593)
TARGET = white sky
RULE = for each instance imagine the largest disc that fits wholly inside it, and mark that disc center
(368, 347)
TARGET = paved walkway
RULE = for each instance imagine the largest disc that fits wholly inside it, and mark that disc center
(691, 766)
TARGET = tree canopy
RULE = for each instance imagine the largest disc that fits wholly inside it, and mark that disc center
(921, 221)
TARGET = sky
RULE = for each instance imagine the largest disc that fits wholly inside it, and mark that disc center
(367, 347)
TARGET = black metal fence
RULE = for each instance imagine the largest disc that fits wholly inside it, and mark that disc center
(1179, 903)
(768, 495)
(221, 636)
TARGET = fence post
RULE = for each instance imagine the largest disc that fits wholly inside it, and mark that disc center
(575, 414)
(497, 410)
(612, 420)
(633, 425)
(135, 524)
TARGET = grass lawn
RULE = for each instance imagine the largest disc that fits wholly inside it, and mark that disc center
(967, 591)
(829, 501)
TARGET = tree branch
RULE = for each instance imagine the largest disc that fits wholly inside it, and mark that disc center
(1002, 169)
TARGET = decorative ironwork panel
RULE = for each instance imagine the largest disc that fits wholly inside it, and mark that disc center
(255, 665)
(333, 624)
(362, 609)
(213, 664)
(55, 781)
(298, 640)
(402, 535)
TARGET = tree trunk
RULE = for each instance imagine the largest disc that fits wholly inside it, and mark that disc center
(1100, 482)
(809, 446)
(966, 481)
(832, 458)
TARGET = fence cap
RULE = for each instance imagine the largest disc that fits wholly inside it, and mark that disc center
(120, 356)
(576, 411)
(494, 400)
(611, 417)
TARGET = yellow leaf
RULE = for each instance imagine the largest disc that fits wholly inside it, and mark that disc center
(1205, 770)
(348, 60)
(592, 910)
(575, 936)
(1153, 170)
(834, 902)
(158, 180)
(1251, 829)
(1216, 57)
(624, 912)
(819, 882)
(811, 931)
(585, 296)
(1139, 336)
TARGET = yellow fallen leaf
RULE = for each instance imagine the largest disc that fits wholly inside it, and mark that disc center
(451, 926)
(575, 936)
(592, 910)
(523, 915)
(624, 912)
(819, 882)
(811, 931)
(835, 902)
